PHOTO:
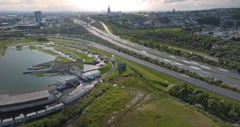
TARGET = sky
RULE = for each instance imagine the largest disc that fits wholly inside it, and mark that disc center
(116, 5)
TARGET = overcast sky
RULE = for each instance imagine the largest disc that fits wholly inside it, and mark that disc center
(116, 5)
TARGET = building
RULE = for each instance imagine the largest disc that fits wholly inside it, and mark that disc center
(38, 16)
(22, 101)
(77, 94)
(28, 27)
(113, 14)
(66, 81)
(91, 75)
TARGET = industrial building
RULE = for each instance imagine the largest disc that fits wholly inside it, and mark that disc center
(76, 94)
(21, 101)
(66, 81)
(91, 75)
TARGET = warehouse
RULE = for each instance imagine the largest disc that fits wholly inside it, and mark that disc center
(76, 94)
(91, 75)
(65, 82)
(21, 101)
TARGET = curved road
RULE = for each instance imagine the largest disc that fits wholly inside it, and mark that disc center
(203, 69)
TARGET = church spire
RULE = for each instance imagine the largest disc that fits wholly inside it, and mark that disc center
(108, 9)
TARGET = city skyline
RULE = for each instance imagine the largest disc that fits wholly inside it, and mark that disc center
(117, 5)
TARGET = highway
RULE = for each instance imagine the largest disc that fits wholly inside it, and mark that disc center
(202, 69)
(198, 83)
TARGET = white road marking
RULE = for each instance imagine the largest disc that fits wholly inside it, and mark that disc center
(186, 61)
(172, 56)
(195, 68)
(223, 70)
(195, 63)
(178, 63)
(167, 60)
(144, 52)
(184, 75)
(205, 67)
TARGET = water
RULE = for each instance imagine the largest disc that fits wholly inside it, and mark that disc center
(14, 63)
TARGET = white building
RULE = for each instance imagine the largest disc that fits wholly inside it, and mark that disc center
(19, 119)
(31, 116)
(91, 75)
(7, 122)
(41, 113)
(76, 94)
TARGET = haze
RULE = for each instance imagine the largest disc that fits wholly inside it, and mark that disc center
(116, 5)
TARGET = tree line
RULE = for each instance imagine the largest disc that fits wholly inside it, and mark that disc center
(226, 110)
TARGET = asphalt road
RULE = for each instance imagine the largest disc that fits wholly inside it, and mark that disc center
(198, 83)
(203, 69)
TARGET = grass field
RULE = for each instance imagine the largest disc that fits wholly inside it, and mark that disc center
(163, 111)
(6, 43)
(75, 54)
(106, 68)
(133, 106)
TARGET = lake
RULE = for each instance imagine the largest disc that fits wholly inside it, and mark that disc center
(14, 63)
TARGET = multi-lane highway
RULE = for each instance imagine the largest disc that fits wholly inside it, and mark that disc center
(226, 76)
(201, 84)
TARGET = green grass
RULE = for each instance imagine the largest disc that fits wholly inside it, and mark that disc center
(147, 73)
(62, 59)
(39, 74)
(41, 121)
(31, 47)
(75, 54)
(156, 110)
(119, 73)
(106, 68)
(114, 100)
(6, 43)
(19, 47)
(65, 42)
(164, 111)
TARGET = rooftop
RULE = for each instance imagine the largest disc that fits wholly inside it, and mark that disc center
(22, 98)
(91, 72)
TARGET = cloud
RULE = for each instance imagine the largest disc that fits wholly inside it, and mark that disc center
(96, 5)
(171, 1)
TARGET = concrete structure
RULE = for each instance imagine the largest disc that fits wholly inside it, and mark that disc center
(31, 116)
(21, 101)
(91, 75)
(19, 119)
(64, 82)
(41, 113)
(50, 109)
(27, 27)
(113, 14)
(38, 16)
(7, 122)
(76, 94)
(113, 59)
(59, 106)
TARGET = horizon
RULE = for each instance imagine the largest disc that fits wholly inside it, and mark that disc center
(118, 5)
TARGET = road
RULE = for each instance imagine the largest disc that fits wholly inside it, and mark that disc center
(205, 70)
(198, 83)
